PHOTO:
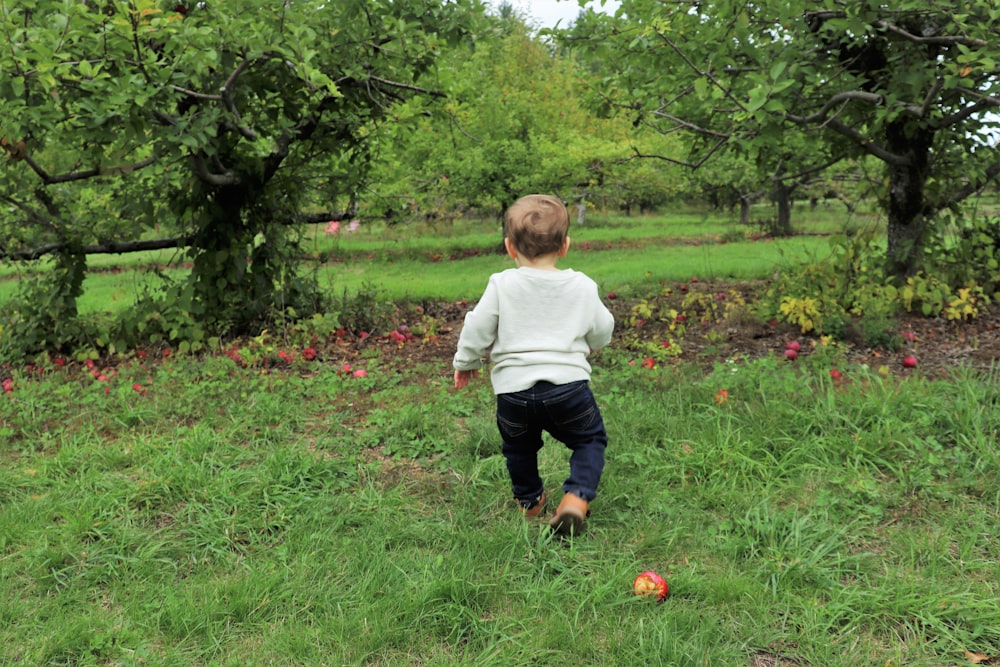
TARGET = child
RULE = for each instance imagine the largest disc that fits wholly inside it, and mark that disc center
(541, 323)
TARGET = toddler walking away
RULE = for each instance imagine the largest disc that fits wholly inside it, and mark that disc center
(540, 323)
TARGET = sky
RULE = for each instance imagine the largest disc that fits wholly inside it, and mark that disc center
(547, 12)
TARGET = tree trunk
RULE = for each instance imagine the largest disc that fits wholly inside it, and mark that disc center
(782, 196)
(744, 210)
(908, 210)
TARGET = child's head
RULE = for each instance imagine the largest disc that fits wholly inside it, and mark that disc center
(537, 225)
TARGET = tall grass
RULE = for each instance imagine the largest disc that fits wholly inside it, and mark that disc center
(195, 512)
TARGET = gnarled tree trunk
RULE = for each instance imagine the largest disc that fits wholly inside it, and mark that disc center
(909, 212)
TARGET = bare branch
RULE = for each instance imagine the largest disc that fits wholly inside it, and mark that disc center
(195, 94)
(691, 165)
(125, 247)
(49, 179)
(867, 144)
(111, 248)
(800, 176)
(202, 171)
(838, 99)
(697, 129)
(944, 40)
(406, 86)
(980, 106)
(991, 174)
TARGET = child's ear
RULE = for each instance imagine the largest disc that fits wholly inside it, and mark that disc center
(565, 248)
(511, 250)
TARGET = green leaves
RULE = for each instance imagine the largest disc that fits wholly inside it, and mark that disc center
(217, 123)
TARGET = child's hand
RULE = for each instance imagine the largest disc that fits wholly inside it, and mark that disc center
(462, 378)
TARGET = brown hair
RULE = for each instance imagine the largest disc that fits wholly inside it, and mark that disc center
(537, 225)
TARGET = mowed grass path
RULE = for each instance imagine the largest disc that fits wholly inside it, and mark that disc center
(621, 253)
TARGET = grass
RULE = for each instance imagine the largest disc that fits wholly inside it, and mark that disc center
(623, 253)
(195, 511)
(233, 517)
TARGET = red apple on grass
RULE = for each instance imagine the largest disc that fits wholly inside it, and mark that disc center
(909, 361)
(791, 354)
(650, 583)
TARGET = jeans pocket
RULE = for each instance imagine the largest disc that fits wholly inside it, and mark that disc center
(510, 430)
(577, 421)
(509, 413)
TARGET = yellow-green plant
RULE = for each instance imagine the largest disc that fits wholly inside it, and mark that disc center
(803, 312)
(931, 296)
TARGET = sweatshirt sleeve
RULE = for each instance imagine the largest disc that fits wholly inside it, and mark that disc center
(604, 325)
(479, 331)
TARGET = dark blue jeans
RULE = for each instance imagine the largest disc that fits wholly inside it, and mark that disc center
(569, 413)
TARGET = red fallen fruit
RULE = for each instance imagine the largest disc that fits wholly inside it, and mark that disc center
(612, 295)
(650, 583)
(791, 354)
(793, 345)
(909, 361)
(835, 374)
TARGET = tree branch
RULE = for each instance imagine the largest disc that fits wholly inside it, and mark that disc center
(691, 127)
(839, 98)
(959, 116)
(111, 248)
(691, 165)
(970, 188)
(867, 144)
(945, 40)
(202, 171)
(49, 179)
(125, 247)
(708, 75)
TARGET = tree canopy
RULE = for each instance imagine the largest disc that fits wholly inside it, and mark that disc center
(914, 84)
(210, 126)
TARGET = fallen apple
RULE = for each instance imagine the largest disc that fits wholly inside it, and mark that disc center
(791, 354)
(909, 361)
(793, 345)
(650, 583)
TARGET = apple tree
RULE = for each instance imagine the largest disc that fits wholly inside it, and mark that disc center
(914, 84)
(514, 123)
(213, 127)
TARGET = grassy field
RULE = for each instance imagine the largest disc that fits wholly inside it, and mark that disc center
(406, 262)
(198, 513)
(222, 511)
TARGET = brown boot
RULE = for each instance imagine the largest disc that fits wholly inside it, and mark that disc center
(535, 510)
(571, 515)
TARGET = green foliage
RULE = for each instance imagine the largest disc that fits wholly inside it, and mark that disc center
(43, 314)
(792, 88)
(207, 126)
(823, 296)
(849, 290)
(966, 252)
(512, 124)
(366, 310)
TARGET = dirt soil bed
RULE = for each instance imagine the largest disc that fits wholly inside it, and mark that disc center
(938, 344)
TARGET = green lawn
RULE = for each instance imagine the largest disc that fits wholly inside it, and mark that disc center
(329, 501)
(214, 515)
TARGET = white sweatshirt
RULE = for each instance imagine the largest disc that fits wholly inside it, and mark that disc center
(541, 326)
